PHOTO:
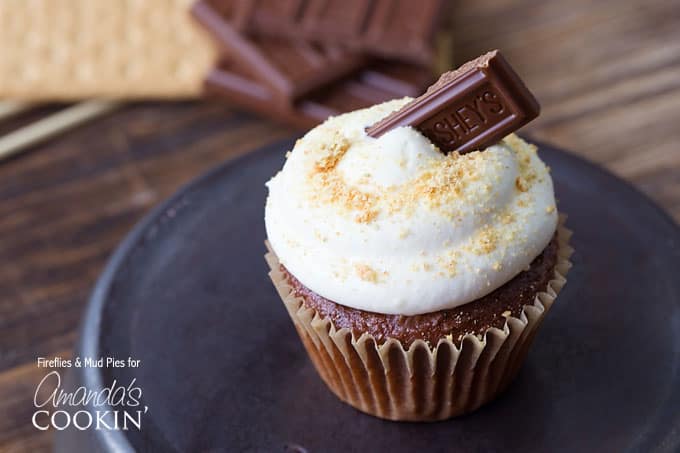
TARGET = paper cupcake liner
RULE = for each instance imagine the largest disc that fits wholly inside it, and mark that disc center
(420, 383)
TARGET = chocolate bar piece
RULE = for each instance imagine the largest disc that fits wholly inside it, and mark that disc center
(402, 29)
(469, 108)
(290, 69)
(401, 78)
(333, 20)
(374, 85)
(273, 15)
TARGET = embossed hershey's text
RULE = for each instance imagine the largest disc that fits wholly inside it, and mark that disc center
(471, 117)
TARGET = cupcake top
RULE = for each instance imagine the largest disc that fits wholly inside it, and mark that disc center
(392, 225)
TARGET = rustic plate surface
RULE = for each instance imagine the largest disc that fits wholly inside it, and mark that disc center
(223, 370)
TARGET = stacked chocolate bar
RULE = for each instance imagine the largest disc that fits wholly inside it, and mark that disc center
(301, 61)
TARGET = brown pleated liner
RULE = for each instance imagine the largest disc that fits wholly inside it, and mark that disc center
(419, 383)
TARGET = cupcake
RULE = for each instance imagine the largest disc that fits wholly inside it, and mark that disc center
(415, 279)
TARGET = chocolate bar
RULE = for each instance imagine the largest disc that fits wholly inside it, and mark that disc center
(401, 29)
(469, 108)
(374, 85)
(290, 69)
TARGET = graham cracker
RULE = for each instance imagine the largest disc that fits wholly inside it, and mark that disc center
(74, 49)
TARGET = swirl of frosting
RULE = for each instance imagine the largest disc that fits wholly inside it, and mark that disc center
(392, 225)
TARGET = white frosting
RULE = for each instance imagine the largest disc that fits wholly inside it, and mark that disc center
(392, 225)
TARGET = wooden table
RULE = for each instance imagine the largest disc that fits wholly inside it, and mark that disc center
(607, 74)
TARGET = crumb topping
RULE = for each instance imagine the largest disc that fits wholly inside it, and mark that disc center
(331, 154)
(486, 241)
(442, 184)
(366, 273)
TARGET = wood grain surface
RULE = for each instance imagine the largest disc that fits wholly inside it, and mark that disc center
(607, 74)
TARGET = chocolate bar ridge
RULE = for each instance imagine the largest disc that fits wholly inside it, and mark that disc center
(468, 108)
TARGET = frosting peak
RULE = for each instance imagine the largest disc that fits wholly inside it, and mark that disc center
(394, 226)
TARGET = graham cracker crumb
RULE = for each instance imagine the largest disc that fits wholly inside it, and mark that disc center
(450, 267)
(507, 218)
(366, 273)
(449, 263)
(366, 216)
(332, 155)
(521, 184)
(485, 242)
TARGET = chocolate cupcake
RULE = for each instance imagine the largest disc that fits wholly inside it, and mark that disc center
(415, 279)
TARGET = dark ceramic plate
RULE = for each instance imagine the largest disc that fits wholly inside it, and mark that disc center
(187, 293)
